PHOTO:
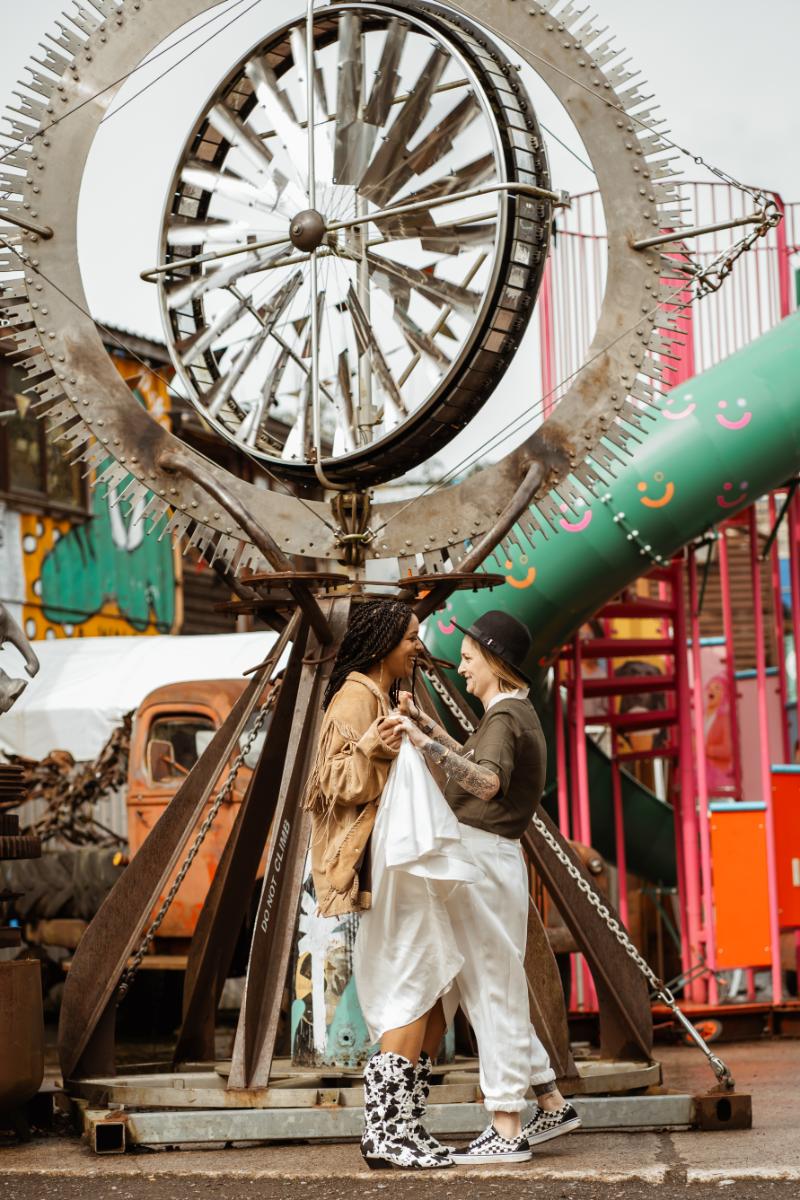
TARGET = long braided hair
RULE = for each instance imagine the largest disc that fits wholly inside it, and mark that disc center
(374, 629)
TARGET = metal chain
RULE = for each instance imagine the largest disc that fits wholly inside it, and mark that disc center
(447, 700)
(711, 278)
(657, 985)
(220, 798)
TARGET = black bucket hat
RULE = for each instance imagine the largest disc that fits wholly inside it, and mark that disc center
(504, 636)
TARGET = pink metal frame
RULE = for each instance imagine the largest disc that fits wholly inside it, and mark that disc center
(764, 760)
(702, 782)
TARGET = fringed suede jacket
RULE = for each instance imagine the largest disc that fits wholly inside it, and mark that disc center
(343, 792)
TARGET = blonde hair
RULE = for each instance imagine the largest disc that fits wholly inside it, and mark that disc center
(507, 677)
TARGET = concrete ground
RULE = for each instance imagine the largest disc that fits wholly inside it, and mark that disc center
(762, 1163)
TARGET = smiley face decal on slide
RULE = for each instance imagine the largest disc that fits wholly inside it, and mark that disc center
(662, 500)
(528, 578)
(576, 526)
(739, 423)
(447, 627)
(731, 499)
(684, 412)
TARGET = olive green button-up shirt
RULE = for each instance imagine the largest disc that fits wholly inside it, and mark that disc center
(510, 742)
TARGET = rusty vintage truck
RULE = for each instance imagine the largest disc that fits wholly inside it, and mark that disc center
(60, 892)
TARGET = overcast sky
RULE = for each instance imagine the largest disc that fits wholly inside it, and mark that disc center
(723, 71)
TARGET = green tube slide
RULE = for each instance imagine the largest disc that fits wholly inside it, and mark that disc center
(718, 442)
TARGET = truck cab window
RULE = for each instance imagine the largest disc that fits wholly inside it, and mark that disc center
(174, 745)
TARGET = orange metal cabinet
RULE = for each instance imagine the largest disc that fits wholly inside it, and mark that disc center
(786, 815)
(739, 866)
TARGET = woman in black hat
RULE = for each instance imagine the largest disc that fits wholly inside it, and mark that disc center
(494, 782)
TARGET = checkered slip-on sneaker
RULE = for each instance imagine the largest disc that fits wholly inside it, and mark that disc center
(490, 1147)
(546, 1125)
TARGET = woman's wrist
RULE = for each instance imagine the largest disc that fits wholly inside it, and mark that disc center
(425, 723)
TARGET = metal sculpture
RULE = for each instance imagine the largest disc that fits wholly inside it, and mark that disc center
(10, 634)
(337, 314)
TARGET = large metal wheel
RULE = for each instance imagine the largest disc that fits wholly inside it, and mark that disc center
(595, 424)
(419, 313)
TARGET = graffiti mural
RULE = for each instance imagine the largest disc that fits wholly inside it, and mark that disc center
(99, 577)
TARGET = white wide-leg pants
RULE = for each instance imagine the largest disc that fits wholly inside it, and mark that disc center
(490, 926)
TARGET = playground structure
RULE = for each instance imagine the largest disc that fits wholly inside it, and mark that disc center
(661, 620)
(594, 460)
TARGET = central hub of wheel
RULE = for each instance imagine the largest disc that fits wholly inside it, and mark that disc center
(307, 229)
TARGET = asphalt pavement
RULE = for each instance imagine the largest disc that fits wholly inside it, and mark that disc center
(758, 1164)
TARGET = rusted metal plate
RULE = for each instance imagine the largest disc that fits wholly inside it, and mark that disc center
(86, 1026)
(546, 995)
(278, 906)
(22, 1025)
(716, 1111)
(231, 889)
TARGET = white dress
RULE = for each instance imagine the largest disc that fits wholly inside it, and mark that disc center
(406, 956)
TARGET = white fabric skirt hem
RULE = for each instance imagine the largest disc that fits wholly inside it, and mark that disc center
(399, 1018)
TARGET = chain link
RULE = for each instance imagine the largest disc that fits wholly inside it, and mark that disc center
(447, 700)
(220, 798)
(657, 985)
(711, 278)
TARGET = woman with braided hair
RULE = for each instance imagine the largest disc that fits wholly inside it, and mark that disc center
(358, 743)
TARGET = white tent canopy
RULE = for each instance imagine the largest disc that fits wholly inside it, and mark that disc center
(86, 685)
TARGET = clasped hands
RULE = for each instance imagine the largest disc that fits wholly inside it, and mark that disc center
(404, 720)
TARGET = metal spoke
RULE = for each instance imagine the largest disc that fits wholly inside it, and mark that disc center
(385, 83)
(375, 184)
(228, 185)
(419, 340)
(353, 136)
(192, 289)
(278, 108)
(388, 274)
(267, 316)
(368, 345)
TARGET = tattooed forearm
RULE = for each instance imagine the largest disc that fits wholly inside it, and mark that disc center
(438, 734)
(477, 780)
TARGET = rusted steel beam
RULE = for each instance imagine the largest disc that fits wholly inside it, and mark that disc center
(184, 464)
(546, 995)
(85, 1032)
(519, 502)
(274, 931)
(228, 898)
(626, 1023)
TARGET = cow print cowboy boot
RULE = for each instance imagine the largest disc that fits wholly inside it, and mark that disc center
(388, 1139)
(419, 1103)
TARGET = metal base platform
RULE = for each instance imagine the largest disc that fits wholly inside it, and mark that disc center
(194, 1107)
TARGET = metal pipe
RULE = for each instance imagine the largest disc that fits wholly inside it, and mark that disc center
(680, 235)
(43, 231)
(584, 828)
(777, 602)
(399, 210)
(561, 752)
(181, 463)
(702, 784)
(316, 415)
(777, 521)
(619, 837)
(764, 762)
(687, 810)
(730, 659)
(794, 578)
